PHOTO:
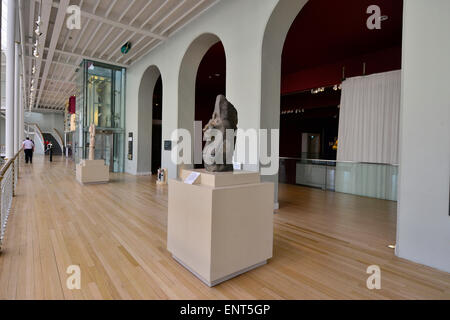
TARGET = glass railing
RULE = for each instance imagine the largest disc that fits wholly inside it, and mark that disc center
(375, 180)
(9, 175)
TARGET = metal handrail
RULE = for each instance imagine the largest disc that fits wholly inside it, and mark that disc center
(8, 163)
(339, 161)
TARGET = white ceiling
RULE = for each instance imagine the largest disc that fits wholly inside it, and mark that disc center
(105, 26)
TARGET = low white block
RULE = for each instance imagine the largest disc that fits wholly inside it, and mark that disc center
(92, 171)
(220, 232)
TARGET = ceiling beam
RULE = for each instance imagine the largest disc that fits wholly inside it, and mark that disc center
(55, 62)
(58, 80)
(129, 60)
(123, 31)
(82, 56)
(115, 23)
(172, 11)
(161, 6)
(112, 29)
(93, 34)
(46, 8)
(22, 47)
(31, 24)
(184, 15)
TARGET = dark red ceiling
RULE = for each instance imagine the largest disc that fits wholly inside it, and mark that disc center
(327, 31)
(326, 36)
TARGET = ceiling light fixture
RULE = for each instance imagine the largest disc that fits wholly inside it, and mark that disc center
(318, 90)
(38, 31)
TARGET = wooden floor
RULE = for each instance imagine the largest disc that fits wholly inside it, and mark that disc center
(116, 233)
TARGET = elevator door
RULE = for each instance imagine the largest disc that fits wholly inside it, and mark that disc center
(104, 148)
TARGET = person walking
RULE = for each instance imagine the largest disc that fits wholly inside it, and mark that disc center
(50, 150)
(28, 147)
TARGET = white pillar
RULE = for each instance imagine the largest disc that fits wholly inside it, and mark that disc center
(423, 221)
(16, 97)
(21, 114)
(10, 48)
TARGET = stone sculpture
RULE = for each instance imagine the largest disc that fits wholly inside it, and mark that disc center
(224, 120)
(92, 141)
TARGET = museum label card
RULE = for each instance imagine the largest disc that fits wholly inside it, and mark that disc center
(192, 178)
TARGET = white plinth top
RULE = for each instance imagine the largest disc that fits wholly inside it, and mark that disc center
(223, 179)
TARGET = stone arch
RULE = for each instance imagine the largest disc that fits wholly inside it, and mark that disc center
(187, 81)
(145, 119)
(275, 34)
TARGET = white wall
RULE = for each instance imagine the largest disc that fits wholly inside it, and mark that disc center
(2, 131)
(423, 227)
(46, 121)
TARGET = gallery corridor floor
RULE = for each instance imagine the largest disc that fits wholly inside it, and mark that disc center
(116, 233)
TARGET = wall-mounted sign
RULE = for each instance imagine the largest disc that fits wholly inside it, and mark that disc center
(126, 48)
(192, 178)
(130, 146)
(168, 145)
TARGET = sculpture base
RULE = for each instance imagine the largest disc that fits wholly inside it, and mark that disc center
(92, 171)
(226, 278)
(222, 226)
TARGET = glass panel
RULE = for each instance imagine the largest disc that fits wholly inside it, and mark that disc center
(101, 101)
(118, 152)
(99, 85)
(375, 180)
(118, 105)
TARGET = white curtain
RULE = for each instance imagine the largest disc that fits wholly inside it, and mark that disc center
(369, 118)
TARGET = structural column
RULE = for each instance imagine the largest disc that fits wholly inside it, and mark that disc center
(10, 55)
(423, 214)
(21, 113)
(16, 98)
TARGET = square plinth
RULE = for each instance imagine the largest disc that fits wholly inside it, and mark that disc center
(223, 179)
(220, 232)
(92, 171)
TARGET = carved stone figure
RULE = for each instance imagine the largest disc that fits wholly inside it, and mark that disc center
(223, 125)
(92, 141)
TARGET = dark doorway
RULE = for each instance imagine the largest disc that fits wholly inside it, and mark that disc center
(157, 126)
(210, 82)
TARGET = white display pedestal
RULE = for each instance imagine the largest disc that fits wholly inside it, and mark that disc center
(92, 171)
(221, 226)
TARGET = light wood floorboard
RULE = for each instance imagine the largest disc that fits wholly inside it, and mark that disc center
(116, 233)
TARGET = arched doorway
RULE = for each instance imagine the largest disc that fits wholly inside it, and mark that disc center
(157, 126)
(204, 58)
(149, 122)
(275, 33)
(314, 67)
(309, 48)
(211, 81)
